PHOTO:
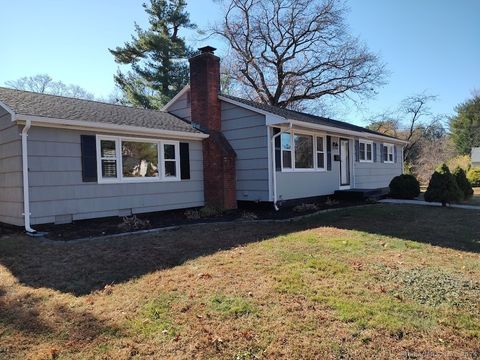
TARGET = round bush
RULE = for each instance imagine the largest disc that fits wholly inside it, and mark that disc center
(443, 187)
(463, 183)
(404, 187)
(474, 176)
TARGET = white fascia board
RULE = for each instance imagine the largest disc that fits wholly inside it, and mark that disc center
(363, 135)
(111, 128)
(9, 110)
(175, 98)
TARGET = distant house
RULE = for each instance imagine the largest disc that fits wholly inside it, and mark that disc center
(476, 157)
(65, 159)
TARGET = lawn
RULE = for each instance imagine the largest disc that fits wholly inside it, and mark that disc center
(381, 281)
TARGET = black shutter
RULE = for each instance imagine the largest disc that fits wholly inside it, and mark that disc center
(89, 158)
(357, 150)
(374, 152)
(184, 161)
(395, 154)
(278, 150)
(329, 153)
(382, 153)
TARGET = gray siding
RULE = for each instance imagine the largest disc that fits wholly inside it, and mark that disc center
(57, 190)
(11, 187)
(377, 174)
(181, 107)
(247, 133)
(298, 184)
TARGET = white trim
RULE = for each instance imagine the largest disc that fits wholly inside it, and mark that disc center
(175, 98)
(366, 142)
(9, 110)
(269, 160)
(112, 128)
(271, 119)
(389, 147)
(118, 158)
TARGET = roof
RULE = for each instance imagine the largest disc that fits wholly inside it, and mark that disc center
(301, 116)
(66, 108)
(476, 155)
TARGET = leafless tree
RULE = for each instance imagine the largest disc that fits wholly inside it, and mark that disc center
(43, 83)
(285, 52)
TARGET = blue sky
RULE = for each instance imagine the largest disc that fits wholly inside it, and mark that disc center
(428, 45)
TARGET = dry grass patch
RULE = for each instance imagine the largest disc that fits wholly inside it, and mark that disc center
(362, 283)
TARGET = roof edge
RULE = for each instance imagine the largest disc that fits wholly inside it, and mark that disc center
(9, 110)
(175, 98)
(114, 128)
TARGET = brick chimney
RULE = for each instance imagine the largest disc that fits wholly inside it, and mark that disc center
(219, 174)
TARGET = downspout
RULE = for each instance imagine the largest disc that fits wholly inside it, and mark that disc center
(274, 169)
(26, 192)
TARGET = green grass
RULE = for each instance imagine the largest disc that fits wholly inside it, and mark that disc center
(235, 306)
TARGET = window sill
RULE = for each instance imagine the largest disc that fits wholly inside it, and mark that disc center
(366, 161)
(136, 181)
(302, 170)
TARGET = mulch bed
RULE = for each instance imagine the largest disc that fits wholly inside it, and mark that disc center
(115, 225)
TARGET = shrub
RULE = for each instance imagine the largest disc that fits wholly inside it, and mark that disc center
(474, 176)
(443, 187)
(133, 223)
(404, 187)
(305, 207)
(461, 161)
(210, 211)
(463, 183)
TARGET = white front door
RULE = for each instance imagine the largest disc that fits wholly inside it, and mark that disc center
(344, 163)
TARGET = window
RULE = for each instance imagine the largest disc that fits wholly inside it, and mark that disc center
(388, 153)
(170, 160)
(286, 141)
(108, 159)
(321, 153)
(303, 151)
(366, 151)
(126, 160)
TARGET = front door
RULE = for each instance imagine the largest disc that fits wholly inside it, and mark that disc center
(344, 163)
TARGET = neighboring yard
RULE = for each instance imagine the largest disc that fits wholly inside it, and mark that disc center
(357, 283)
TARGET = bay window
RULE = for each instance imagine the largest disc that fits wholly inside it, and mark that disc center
(132, 160)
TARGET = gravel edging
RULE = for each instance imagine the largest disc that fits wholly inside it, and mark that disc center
(176, 227)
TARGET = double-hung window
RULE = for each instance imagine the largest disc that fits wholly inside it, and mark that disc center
(321, 153)
(366, 151)
(388, 153)
(286, 143)
(133, 160)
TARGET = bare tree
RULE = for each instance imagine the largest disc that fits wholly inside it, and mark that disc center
(284, 52)
(43, 83)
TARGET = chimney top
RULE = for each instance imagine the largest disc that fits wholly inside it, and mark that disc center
(207, 50)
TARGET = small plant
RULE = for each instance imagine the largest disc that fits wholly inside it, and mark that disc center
(192, 214)
(331, 202)
(473, 176)
(443, 187)
(210, 211)
(249, 216)
(404, 186)
(463, 183)
(305, 207)
(130, 223)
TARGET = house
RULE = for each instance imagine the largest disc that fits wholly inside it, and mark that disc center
(65, 159)
(476, 157)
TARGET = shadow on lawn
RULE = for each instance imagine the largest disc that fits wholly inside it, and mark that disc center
(82, 267)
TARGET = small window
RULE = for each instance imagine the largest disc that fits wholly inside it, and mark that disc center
(303, 151)
(139, 159)
(108, 159)
(388, 150)
(320, 152)
(286, 142)
(170, 160)
(366, 151)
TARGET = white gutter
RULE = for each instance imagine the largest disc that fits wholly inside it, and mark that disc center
(111, 128)
(26, 192)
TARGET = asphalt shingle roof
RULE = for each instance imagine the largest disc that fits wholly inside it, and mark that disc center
(300, 116)
(59, 107)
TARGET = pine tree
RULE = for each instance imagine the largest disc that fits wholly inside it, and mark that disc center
(463, 183)
(443, 187)
(156, 55)
(465, 126)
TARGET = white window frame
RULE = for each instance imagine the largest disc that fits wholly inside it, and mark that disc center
(119, 159)
(390, 151)
(315, 135)
(366, 143)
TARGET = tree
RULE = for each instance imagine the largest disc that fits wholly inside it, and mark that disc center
(463, 183)
(465, 125)
(443, 187)
(287, 52)
(43, 83)
(156, 55)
